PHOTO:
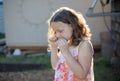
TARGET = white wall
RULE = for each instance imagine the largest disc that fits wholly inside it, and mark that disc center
(25, 20)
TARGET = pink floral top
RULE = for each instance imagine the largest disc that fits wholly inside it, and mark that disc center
(64, 73)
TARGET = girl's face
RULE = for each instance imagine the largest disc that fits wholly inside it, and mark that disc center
(62, 30)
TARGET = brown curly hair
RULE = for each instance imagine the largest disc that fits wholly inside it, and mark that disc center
(81, 31)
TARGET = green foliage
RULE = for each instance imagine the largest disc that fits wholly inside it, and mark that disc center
(2, 35)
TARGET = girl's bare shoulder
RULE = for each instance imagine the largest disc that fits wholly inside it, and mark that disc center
(85, 45)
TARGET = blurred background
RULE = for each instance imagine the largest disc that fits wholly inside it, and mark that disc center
(24, 49)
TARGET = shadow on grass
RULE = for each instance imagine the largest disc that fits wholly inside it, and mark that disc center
(103, 69)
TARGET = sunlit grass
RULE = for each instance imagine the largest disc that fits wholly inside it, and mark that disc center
(44, 59)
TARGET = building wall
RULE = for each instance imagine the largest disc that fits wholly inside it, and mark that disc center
(26, 20)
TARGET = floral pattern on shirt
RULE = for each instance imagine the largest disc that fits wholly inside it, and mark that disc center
(64, 73)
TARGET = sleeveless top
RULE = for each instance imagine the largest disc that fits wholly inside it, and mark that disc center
(64, 73)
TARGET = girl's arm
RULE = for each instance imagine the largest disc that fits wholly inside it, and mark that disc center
(54, 57)
(81, 67)
(54, 50)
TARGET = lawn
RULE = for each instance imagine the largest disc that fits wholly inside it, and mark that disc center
(103, 70)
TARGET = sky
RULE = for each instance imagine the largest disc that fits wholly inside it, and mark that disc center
(1, 0)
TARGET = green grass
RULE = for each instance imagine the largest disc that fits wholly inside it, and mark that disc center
(39, 59)
(103, 69)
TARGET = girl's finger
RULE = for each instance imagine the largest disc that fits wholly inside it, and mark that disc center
(53, 38)
(62, 42)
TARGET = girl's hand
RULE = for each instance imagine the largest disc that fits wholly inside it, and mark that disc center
(53, 41)
(63, 46)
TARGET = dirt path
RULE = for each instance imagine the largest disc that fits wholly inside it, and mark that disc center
(40, 75)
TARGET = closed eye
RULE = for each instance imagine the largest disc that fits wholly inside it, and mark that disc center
(59, 31)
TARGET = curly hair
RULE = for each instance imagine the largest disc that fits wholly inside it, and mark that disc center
(81, 31)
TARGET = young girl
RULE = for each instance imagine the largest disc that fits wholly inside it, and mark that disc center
(71, 49)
